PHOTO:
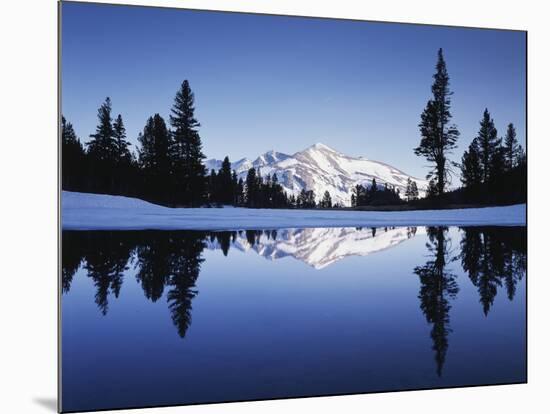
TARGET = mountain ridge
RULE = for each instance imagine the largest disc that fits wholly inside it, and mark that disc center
(321, 168)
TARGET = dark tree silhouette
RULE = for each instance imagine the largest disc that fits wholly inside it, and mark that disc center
(73, 252)
(488, 142)
(187, 155)
(185, 268)
(512, 147)
(105, 264)
(155, 160)
(326, 202)
(471, 166)
(438, 138)
(72, 158)
(438, 287)
(102, 146)
(493, 257)
(122, 151)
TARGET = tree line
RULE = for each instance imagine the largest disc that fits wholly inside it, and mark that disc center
(492, 169)
(374, 194)
(168, 166)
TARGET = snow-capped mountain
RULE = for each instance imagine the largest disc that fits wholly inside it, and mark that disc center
(321, 168)
(319, 247)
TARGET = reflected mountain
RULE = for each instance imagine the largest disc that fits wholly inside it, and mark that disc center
(317, 247)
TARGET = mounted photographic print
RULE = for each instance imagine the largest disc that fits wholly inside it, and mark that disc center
(259, 207)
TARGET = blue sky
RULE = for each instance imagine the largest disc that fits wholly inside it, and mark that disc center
(284, 83)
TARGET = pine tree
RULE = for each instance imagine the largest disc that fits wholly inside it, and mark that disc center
(471, 166)
(187, 152)
(512, 147)
(154, 159)
(488, 143)
(225, 182)
(326, 202)
(408, 190)
(102, 146)
(438, 137)
(213, 187)
(498, 164)
(414, 191)
(122, 152)
(432, 189)
(241, 198)
(72, 157)
(234, 188)
(292, 201)
(251, 188)
(521, 159)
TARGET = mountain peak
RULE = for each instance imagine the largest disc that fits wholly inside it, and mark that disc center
(321, 146)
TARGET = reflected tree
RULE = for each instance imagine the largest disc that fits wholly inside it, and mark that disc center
(185, 264)
(153, 264)
(437, 287)
(72, 254)
(106, 264)
(494, 257)
(224, 239)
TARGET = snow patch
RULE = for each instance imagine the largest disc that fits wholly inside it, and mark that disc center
(84, 211)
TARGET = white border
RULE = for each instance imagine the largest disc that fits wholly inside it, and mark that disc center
(28, 32)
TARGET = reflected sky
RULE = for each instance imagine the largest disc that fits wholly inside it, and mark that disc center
(155, 318)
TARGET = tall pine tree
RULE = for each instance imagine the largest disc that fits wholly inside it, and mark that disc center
(154, 159)
(438, 137)
(122, 151)
(512, 147)
(72, 157)
(471, 166)
(488, 142)
(189, 170)
(102, 146)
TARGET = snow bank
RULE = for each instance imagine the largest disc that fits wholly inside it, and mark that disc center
(82, 211)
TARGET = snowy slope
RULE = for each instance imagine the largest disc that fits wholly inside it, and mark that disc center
(321, 168)
(321, 247)
(97, 211)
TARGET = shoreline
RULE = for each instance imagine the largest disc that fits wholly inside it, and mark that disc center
(86, 211)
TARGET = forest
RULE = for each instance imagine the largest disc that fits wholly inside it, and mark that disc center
(168, 167)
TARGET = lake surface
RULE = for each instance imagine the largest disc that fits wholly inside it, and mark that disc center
(180, 317)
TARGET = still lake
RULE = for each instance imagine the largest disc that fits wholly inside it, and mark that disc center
(180, 317)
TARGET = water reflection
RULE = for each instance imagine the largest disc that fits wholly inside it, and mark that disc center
(493, 257)
(437, 288)
(168, 263)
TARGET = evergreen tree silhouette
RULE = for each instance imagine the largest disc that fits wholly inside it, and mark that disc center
(493, 257)
(438, 138)
(188, 167)
(438, 287)
(102, 146)
(471, 166)
(488, 142)
(185, 265)
(106, 263)
(155, 160)
(511, 147)
(122, 151)
(72, 158)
